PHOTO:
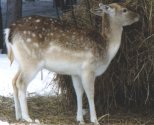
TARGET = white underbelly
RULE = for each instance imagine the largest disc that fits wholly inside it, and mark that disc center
(64, 61)
(62, 67)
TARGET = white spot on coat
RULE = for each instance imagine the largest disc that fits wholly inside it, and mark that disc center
(24, 32)
(33, 34)
(37, 21)
(40, 35)
(29, 39)
(36, 45)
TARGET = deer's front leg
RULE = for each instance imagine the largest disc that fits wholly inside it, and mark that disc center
(79, 94)
(88, 79)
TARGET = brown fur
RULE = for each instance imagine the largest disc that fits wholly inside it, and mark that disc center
(54, 31)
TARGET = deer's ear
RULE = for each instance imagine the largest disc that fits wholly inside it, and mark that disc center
(102, 8)
(97, 12)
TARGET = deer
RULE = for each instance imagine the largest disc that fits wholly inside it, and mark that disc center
(38, 42)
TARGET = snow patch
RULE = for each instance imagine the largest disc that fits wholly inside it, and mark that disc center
(4, 123)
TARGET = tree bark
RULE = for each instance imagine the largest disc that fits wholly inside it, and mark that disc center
(18, 9)
(1, 30)
(14, 10)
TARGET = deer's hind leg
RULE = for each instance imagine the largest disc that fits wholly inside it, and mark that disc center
(21, 81)
(16, 99)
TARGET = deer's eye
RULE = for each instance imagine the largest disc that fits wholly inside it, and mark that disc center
(124, 10)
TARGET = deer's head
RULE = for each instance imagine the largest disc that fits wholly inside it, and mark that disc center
(117, 13)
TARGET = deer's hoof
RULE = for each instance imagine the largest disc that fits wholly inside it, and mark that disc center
(27, 120)
(81, 123)
(95, 123)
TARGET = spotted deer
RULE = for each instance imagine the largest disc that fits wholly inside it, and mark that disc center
(39, 42)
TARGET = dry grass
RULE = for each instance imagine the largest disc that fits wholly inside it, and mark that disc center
(52, 111)
(49, 110)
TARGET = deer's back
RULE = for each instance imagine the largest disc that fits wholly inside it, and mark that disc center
(45, 31)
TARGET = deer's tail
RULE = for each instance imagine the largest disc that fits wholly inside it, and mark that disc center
(8, 45)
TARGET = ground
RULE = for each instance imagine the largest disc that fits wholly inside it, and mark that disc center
(49, 110)
(52, 111)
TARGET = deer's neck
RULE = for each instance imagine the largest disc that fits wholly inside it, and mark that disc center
(113, 34)
(114, 41)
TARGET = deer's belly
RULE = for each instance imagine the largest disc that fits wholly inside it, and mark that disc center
(63, 67)
(64, 61)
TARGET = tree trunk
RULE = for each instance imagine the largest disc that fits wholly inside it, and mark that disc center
(1, 30)
(64, 4)
(14, 10)
(18, 9)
